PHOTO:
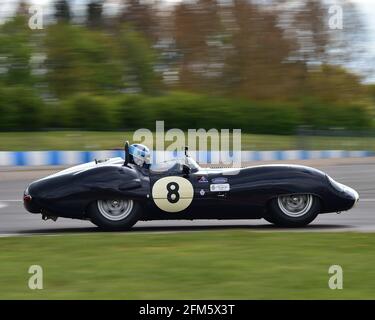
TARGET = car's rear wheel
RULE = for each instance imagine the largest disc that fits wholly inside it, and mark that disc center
(295, 210)
(118, 214)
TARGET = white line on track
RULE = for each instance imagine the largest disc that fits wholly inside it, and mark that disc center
(3, 205)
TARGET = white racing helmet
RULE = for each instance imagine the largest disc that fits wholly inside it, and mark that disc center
(140, 154)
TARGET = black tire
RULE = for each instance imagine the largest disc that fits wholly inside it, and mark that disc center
(96, 215)
(277, 215)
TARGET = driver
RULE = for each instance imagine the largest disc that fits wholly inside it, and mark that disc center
(140, 155)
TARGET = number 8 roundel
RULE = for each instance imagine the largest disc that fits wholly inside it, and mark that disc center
(172, 194)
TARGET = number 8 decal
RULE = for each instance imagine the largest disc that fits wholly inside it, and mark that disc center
(172, 194)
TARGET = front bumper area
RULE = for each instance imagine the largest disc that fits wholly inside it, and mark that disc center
(29, 202)
(351, 193)
(347, 197)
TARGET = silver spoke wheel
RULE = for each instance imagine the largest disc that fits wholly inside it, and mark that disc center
(115, 210)
(295, 205)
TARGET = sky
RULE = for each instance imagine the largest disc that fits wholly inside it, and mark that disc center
(367, 8)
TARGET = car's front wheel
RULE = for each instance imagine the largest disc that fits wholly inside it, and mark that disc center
(118, 214)
(295, 210)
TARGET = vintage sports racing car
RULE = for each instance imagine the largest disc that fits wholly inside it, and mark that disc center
(115, 193)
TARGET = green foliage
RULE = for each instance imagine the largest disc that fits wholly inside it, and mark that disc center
(15, 52)
(139, 60)
(87, 112)
(88, 71)
(81, 60)
(21, 109)
(334, 84)
(321, 115)
(129, 112)
(187, 110)
(90, 60)
(278, 118)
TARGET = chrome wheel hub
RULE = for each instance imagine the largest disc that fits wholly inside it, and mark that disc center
(115, 210)
(295, 205)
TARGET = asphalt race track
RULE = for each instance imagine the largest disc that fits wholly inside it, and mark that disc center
(15, 220)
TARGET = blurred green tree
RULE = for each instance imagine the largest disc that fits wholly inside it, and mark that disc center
(15, 52)
(87, 111)
(335, 84)
(82, 60)
(139, 60)
(21, 109)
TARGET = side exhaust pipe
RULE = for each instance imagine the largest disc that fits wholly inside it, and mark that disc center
(48, 217)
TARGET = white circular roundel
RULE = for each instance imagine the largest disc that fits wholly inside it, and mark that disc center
(172, 194)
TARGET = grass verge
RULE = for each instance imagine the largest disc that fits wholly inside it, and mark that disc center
(77, 140)
(193, 265)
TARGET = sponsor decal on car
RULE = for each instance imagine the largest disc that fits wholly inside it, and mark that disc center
(202, 179)
(219, 187)
(219, 180)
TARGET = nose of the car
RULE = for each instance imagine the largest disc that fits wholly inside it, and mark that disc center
(352, 194)
(28, 202)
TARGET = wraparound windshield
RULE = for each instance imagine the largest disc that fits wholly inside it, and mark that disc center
(175, 164)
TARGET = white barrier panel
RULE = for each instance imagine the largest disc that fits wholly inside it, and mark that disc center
(66, 158)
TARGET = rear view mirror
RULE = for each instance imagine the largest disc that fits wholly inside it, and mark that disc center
(126, 150)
